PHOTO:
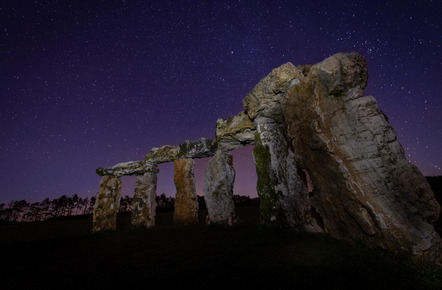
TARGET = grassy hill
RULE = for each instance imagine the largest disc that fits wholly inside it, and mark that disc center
(63, 254)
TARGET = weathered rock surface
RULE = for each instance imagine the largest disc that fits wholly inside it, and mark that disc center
(186, 200)
(307, 118)
(265, 98)
(218, 190)
(128, 168)
(235, 132)
(162, 154)
(107, 204)
(200, 148)
(283, 195)
(143, 204)
(365, 189)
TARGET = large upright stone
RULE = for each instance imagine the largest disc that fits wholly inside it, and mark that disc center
(365, 189)
(186, 200)
(283, 195)
(107, 204)
(143, 203)
(218, 189)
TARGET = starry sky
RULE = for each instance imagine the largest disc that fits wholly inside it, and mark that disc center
(93, 83)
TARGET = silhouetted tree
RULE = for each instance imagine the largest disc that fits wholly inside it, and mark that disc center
(84, 205)
(73, 204)
(165, 203)
(241, 200)
(125, 203)
(22, 211)
(91, 204)
(46, 209)
(20, 208)
(60, 205)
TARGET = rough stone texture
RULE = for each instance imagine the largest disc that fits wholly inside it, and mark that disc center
(265, 98)
(127, 168)
(200, 148)
(143, 203)
(235, 132)
(107, 204)
(186, 201)
(308, 119)
(163, 154)
(284, 197)
(365, 189)
(218, 190)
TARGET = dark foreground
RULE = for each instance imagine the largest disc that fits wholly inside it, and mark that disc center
(63, 254)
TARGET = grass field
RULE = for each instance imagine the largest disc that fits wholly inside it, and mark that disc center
(63, 254)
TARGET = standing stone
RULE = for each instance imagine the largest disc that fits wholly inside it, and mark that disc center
(365, 188)
(283, 195)
(186, 200)
(218, 189)
(107, 204)
(144, 204)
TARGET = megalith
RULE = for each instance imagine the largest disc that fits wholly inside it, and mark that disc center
(218, 189)
(143, 204)
(186, 200)
(283, 195)
(308, 123)
(234, 132)
(364, 187)
(107, 204)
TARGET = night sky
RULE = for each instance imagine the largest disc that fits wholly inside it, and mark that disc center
(90, 83)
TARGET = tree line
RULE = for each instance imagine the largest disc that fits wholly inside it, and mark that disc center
(64, 206)
(23, 211)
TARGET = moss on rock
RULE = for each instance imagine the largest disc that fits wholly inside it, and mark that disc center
(267, 181)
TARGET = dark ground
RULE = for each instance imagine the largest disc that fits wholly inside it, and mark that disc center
(63, 254)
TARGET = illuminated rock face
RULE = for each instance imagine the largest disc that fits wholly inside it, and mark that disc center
(284, 197)
(235, 132)
(309, 118)
(107, 204)
(218, 190)
(186, 201)
(365, 189)
(143, 203)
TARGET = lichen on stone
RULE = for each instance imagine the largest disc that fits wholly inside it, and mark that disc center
(266, 181)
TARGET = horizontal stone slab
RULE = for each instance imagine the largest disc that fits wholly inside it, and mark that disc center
(235, 132)
(200, 148)
(162, 154)
(128, 168)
